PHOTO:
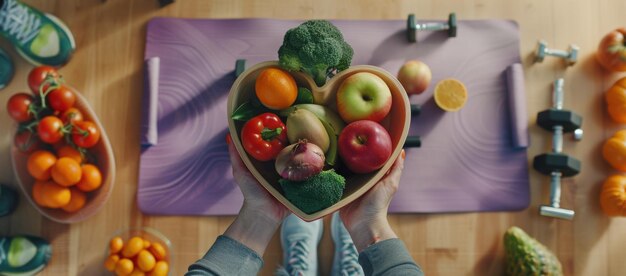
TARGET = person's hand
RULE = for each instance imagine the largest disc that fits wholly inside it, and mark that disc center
(256, 198)
(260, 214)
(366, 217)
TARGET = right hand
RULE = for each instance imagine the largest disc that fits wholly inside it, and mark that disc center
(370, 210)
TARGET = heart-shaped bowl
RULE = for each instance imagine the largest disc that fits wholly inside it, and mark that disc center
(397, 124)
(104, 161)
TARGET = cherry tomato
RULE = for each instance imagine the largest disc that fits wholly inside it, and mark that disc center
(71, 115)
(85, 134)
(39, 164)
(26, 141)
(50, 129)
(61, 98)
(37, 76)
(18, 107)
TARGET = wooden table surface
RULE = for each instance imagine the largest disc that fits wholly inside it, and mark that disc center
(107, 69)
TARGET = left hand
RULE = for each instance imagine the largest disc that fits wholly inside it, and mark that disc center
(256, 199)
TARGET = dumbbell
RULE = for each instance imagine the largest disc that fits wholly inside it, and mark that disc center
(413, 26)
(570, 56)
(556, 164)
(414, 141)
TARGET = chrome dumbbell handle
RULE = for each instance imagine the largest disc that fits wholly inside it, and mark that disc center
(557, 53)
(557, 103)
(557, 139)
(555, 189)
(431, 26)
(554, 209)
(557, 94)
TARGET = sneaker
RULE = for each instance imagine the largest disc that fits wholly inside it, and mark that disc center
(23, 255)
(346, 259)
(6, 69)
(39, 37)
(299, 240)
(8, 200)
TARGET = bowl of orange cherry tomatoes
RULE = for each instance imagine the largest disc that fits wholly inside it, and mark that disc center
(141, 251)
(61, 155)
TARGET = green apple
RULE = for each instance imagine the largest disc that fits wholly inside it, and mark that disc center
(363, 96)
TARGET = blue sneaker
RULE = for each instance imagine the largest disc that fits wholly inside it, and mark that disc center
(346, 259)
(39, 37)
(23, 255)
(299, 240)
(6, 69)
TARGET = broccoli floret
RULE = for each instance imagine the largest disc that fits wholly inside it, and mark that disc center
(317, 48)
(315, 193)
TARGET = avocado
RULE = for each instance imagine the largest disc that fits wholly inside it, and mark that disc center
(526, 256)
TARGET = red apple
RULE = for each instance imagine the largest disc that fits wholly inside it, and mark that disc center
(364, 146)
(414, 76)
(363, 96)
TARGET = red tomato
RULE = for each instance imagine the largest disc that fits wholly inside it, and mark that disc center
(71, 115)
(61, 98)
(85, 134)
(264, 136)
(50, 129)
(37, 76)
(26, 142)
(18, 107)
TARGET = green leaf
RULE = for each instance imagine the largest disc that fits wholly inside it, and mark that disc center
(305, 96)
(246, 111)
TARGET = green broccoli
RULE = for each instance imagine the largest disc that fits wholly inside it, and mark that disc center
(315, 193)
(317, 48)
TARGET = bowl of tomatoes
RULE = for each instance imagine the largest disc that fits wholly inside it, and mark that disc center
(61, 155)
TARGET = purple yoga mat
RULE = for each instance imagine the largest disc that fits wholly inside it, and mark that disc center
(466, 163)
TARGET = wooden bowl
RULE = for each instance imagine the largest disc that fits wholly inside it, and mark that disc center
(396, 123)
(105, 162)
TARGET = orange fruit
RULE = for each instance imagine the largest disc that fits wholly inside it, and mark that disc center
(137, 272)
(145, 260)
(132, 248)
(38, 195)
(55, 196)
(450, 95)
(276, 89)
(66, 172)
(124, 267)
(146, 244)
(115, 245)
(161, 268)
(77, 201)
(111, 262)
(40, 163)
(158, 251)
(69, 151)
(91, 178)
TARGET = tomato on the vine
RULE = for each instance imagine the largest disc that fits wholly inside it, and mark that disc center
(50, 129)
(85, 134)
(71, 115)
(26, 141)
(61, 98)
(37, 76)
(18, 107)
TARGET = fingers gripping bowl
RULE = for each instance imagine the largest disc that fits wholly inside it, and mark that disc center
(396, 123)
